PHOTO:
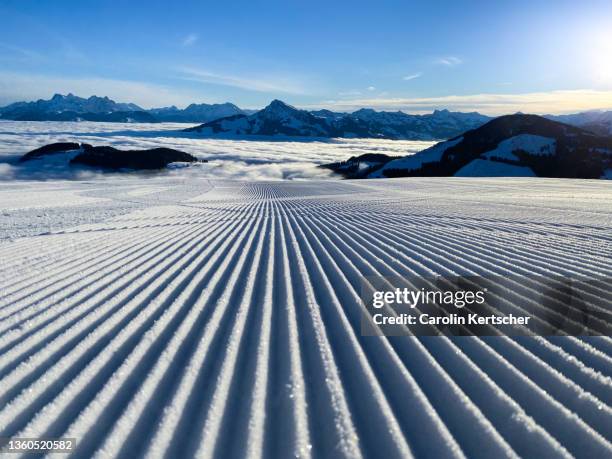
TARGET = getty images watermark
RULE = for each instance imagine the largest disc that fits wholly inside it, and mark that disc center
(486, 306)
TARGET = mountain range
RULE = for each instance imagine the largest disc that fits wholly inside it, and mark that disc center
(74, 108)
(596, 121)
(512, 145)
(279, 119)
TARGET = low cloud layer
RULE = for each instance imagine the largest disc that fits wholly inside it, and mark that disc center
(232, 159)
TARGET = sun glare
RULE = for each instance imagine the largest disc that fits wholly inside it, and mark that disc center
(600, 51)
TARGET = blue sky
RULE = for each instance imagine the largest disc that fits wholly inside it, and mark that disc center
(491, 56)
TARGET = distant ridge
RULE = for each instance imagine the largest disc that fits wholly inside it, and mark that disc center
(195, 113)
(596, 121)
(74, 108)
(281, 119)
(277, 119)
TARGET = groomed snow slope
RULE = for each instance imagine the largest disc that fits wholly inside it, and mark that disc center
(222, 319)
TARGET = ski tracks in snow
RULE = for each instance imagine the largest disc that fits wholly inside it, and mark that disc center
(225, 322)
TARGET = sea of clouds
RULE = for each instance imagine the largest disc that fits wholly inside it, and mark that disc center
(249, 159)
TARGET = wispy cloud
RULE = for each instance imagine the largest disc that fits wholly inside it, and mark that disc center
(259, 84)
(449, 61)
(63, 50)
(414, 76)
(21, 53)
(553, 102)
(190, 39)
(371, 88)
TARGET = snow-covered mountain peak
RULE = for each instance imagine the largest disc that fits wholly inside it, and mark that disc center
(70, 103)
(279, 108)
(365, 112)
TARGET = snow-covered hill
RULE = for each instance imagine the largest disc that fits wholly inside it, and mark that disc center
(185, 318)
(533, 145)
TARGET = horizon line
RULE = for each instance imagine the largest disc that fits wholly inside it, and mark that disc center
(427, 105)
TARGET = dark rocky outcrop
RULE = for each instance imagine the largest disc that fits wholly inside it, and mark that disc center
(105, 157)
(357, 167)
(112, 158)
(52, 148)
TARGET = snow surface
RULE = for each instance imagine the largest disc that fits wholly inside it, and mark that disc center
(261, 159)
(532, 144)
(199, 318)
(487, 168)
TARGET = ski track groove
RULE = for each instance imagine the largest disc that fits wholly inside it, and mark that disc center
(226, 323)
